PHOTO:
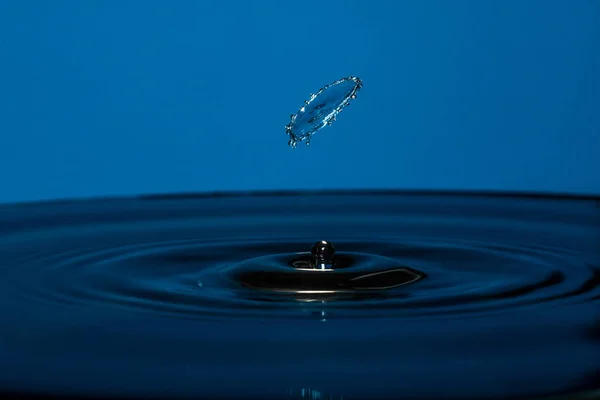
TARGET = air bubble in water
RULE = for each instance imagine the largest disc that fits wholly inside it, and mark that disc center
(321, 109)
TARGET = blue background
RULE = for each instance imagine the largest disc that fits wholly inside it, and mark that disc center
(123, 97)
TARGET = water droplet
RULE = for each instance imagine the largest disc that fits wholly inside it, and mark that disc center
(322, 254)
(315, 115)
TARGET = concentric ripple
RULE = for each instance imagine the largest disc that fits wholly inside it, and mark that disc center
(89, 277)
(191, 277)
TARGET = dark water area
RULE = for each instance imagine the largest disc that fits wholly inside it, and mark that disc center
(165, 297)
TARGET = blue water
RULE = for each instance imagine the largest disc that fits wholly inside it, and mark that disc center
(321, 109)
(139, 297)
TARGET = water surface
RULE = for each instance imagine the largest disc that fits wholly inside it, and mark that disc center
(132, 297)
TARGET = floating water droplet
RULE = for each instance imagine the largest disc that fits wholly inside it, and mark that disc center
(321, 109)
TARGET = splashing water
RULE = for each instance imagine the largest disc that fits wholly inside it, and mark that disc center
(321, 109)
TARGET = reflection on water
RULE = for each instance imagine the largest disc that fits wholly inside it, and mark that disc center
(310, 394)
